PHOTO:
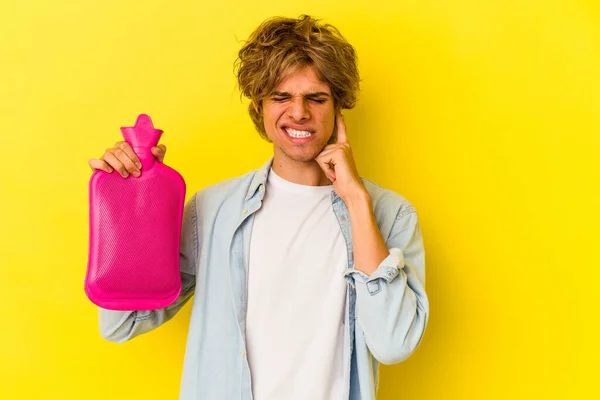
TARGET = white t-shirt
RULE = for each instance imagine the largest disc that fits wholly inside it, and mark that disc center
(296, 295)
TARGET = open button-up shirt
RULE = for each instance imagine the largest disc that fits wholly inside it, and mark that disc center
(386, 312)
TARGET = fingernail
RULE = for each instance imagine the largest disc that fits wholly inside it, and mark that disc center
(136, 173)
(109, 169)
(139, 165)
(125, 174)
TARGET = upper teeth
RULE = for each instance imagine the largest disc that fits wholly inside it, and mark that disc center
(297, 134)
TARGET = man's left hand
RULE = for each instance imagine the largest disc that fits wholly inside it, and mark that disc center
(337, 161)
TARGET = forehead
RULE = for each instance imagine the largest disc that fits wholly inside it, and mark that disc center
(302, 79)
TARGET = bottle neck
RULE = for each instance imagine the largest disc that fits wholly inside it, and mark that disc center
(146, 157)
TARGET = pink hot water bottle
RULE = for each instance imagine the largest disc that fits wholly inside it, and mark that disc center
(134, 231)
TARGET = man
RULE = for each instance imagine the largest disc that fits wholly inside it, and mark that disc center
(305, 275)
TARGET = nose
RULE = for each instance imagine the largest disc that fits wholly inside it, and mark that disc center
(298, 109)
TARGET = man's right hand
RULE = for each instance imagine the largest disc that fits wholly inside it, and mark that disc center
(123, 159)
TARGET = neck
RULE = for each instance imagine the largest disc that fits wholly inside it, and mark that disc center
(307, 173)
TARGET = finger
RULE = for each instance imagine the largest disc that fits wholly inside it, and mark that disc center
(159, 152)
(341, 128)
(115, 163)
(329, 150)
(127, 162)
(327, 168)
(337, 155)
(126, 147)
(329, 147)
(99, 164)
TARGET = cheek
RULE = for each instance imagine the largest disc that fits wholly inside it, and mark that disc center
(272, 115)
(328, 118)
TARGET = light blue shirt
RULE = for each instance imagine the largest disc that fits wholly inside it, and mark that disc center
(386, 312)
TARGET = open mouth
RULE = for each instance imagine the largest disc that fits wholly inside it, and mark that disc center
(298, 135)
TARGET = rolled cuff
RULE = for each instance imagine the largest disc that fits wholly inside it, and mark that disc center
(387, 271)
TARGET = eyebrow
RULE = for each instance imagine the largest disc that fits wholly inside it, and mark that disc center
(313, 94)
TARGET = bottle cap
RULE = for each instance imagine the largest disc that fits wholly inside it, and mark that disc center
(142, 134)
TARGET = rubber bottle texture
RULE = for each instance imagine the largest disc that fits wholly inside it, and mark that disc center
(135, 229)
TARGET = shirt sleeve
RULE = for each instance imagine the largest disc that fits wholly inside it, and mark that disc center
(388, 270)
(391, 304)
(121, 326)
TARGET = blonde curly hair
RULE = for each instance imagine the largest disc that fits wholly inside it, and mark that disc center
(281, 45)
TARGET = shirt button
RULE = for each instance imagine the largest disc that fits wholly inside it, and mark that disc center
(244, 211)
(242, 353)
(261, 187)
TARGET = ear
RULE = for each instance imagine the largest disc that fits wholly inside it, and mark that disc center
(334, 136)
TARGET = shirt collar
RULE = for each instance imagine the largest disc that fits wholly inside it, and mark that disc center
(260, 179)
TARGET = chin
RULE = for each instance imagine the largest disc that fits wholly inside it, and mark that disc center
(301, 156)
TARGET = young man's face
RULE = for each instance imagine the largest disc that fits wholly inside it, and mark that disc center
(299, 116)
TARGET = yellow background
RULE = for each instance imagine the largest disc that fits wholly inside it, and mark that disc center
(484, 114)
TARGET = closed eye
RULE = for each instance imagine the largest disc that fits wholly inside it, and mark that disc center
(320, 101)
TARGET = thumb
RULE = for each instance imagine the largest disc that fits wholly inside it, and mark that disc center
(159, 152)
